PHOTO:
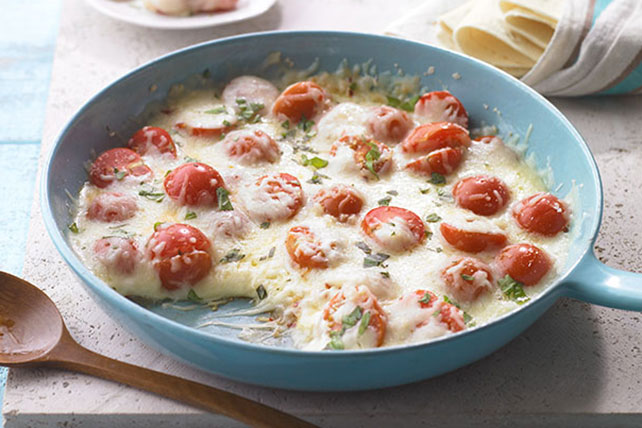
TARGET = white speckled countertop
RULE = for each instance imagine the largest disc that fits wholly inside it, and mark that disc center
(579, 365)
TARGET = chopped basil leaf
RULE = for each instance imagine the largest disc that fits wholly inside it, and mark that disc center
(216, 110)
(190, 215)
(447, 300)
(223, 196)
(260, 291)
(372, 260)
(167, 172)
(335, 340)
(316, 162)
(354, 316)
(305, 125)
(193, 297)
(428, 234)
(426, 298)
(468, 320)
(265, 225)
(316, 178)
(363, 247)
(152, 196)
(467, 277)
(424, 191)
(363, 325)
(286, 124)
(385, 274)
(119, 174)
(157, 225)
(407, 105)
(233, 255)
(393, 192)
(384, 201)
(249, 112)
(512, 289)
(437, 178)
(73, 227)
(226, 122)
(432, 218)
(372, 156)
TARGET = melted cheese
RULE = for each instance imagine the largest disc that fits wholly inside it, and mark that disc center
(298, 296)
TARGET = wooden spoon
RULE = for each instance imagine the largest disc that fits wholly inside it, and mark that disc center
(32, 332)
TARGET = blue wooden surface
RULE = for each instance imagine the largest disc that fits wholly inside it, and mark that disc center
(27, 42)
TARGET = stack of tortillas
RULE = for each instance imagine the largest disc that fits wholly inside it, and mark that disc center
(510, 34)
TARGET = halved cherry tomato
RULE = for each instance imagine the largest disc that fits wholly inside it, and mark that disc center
(251, 147)
(441, 106)
(193, 184)
(117, 254)
(112, 206)
(471, 241)
(302, 99)
(481, 194)
(434, 136)
(467, 278)
(362, 298)
(389, 124)
(305, 249)
(442, 161)
(370, 155)
(394, 228)
(281, 189)
(542, 213)
(253, 90)
(340, 201)
(180, 254)
(152, 138)
(116, 164)
(525, 263)
(444, 312)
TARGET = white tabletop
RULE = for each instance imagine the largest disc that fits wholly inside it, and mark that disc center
(578, 365)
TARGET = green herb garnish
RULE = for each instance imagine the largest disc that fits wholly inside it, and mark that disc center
(437, 178)
(193, 297)
(384, 201)
(432, 218)
(152, 196)
(363, 247)
(233, 255)
(467, 277)
(316, 162)
(512, 289)
(372, 156)
(223, 197)
(216, 110)
(335, 340)
(73, 227)
(363, 325)
(260, 291)
(265, 225)
(407, 105)
(157, 225)
(119, 174)
(249, 112)
(351, 319)
(385, 274)
(190, 215)
(426, 298)
(377, 259)
(316, 178)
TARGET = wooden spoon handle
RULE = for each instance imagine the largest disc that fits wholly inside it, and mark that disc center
(70, 355)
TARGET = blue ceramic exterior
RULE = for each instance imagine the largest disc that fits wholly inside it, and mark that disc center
(553, 143)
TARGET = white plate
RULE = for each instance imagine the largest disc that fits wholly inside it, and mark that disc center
(134, 12)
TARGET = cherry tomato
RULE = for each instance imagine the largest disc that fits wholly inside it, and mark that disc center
(152, 138)
(444, 312)
(481, 194)
(112, 206)
(442, 161)
(279, 197)
(117, 254)
(379, 160)
(253, 90)
(302, 99)
(467, 278)
(180, 254)
(362, 298)
(389, 124)
(441, 106)
(305, 249)
(542, 213)
(116, 164)
(471, 241)
(340, 201)
(193, 184)
(434, 136)
(524, 263)
(251, 147)
(393, 228)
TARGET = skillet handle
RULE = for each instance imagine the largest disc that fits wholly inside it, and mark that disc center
(594, 282)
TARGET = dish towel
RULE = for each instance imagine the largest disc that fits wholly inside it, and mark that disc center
(596, 47)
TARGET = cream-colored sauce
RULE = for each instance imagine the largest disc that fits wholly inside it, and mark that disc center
(302, 295)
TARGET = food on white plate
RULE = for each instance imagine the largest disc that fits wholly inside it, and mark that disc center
(189, 7)
(356, 224)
